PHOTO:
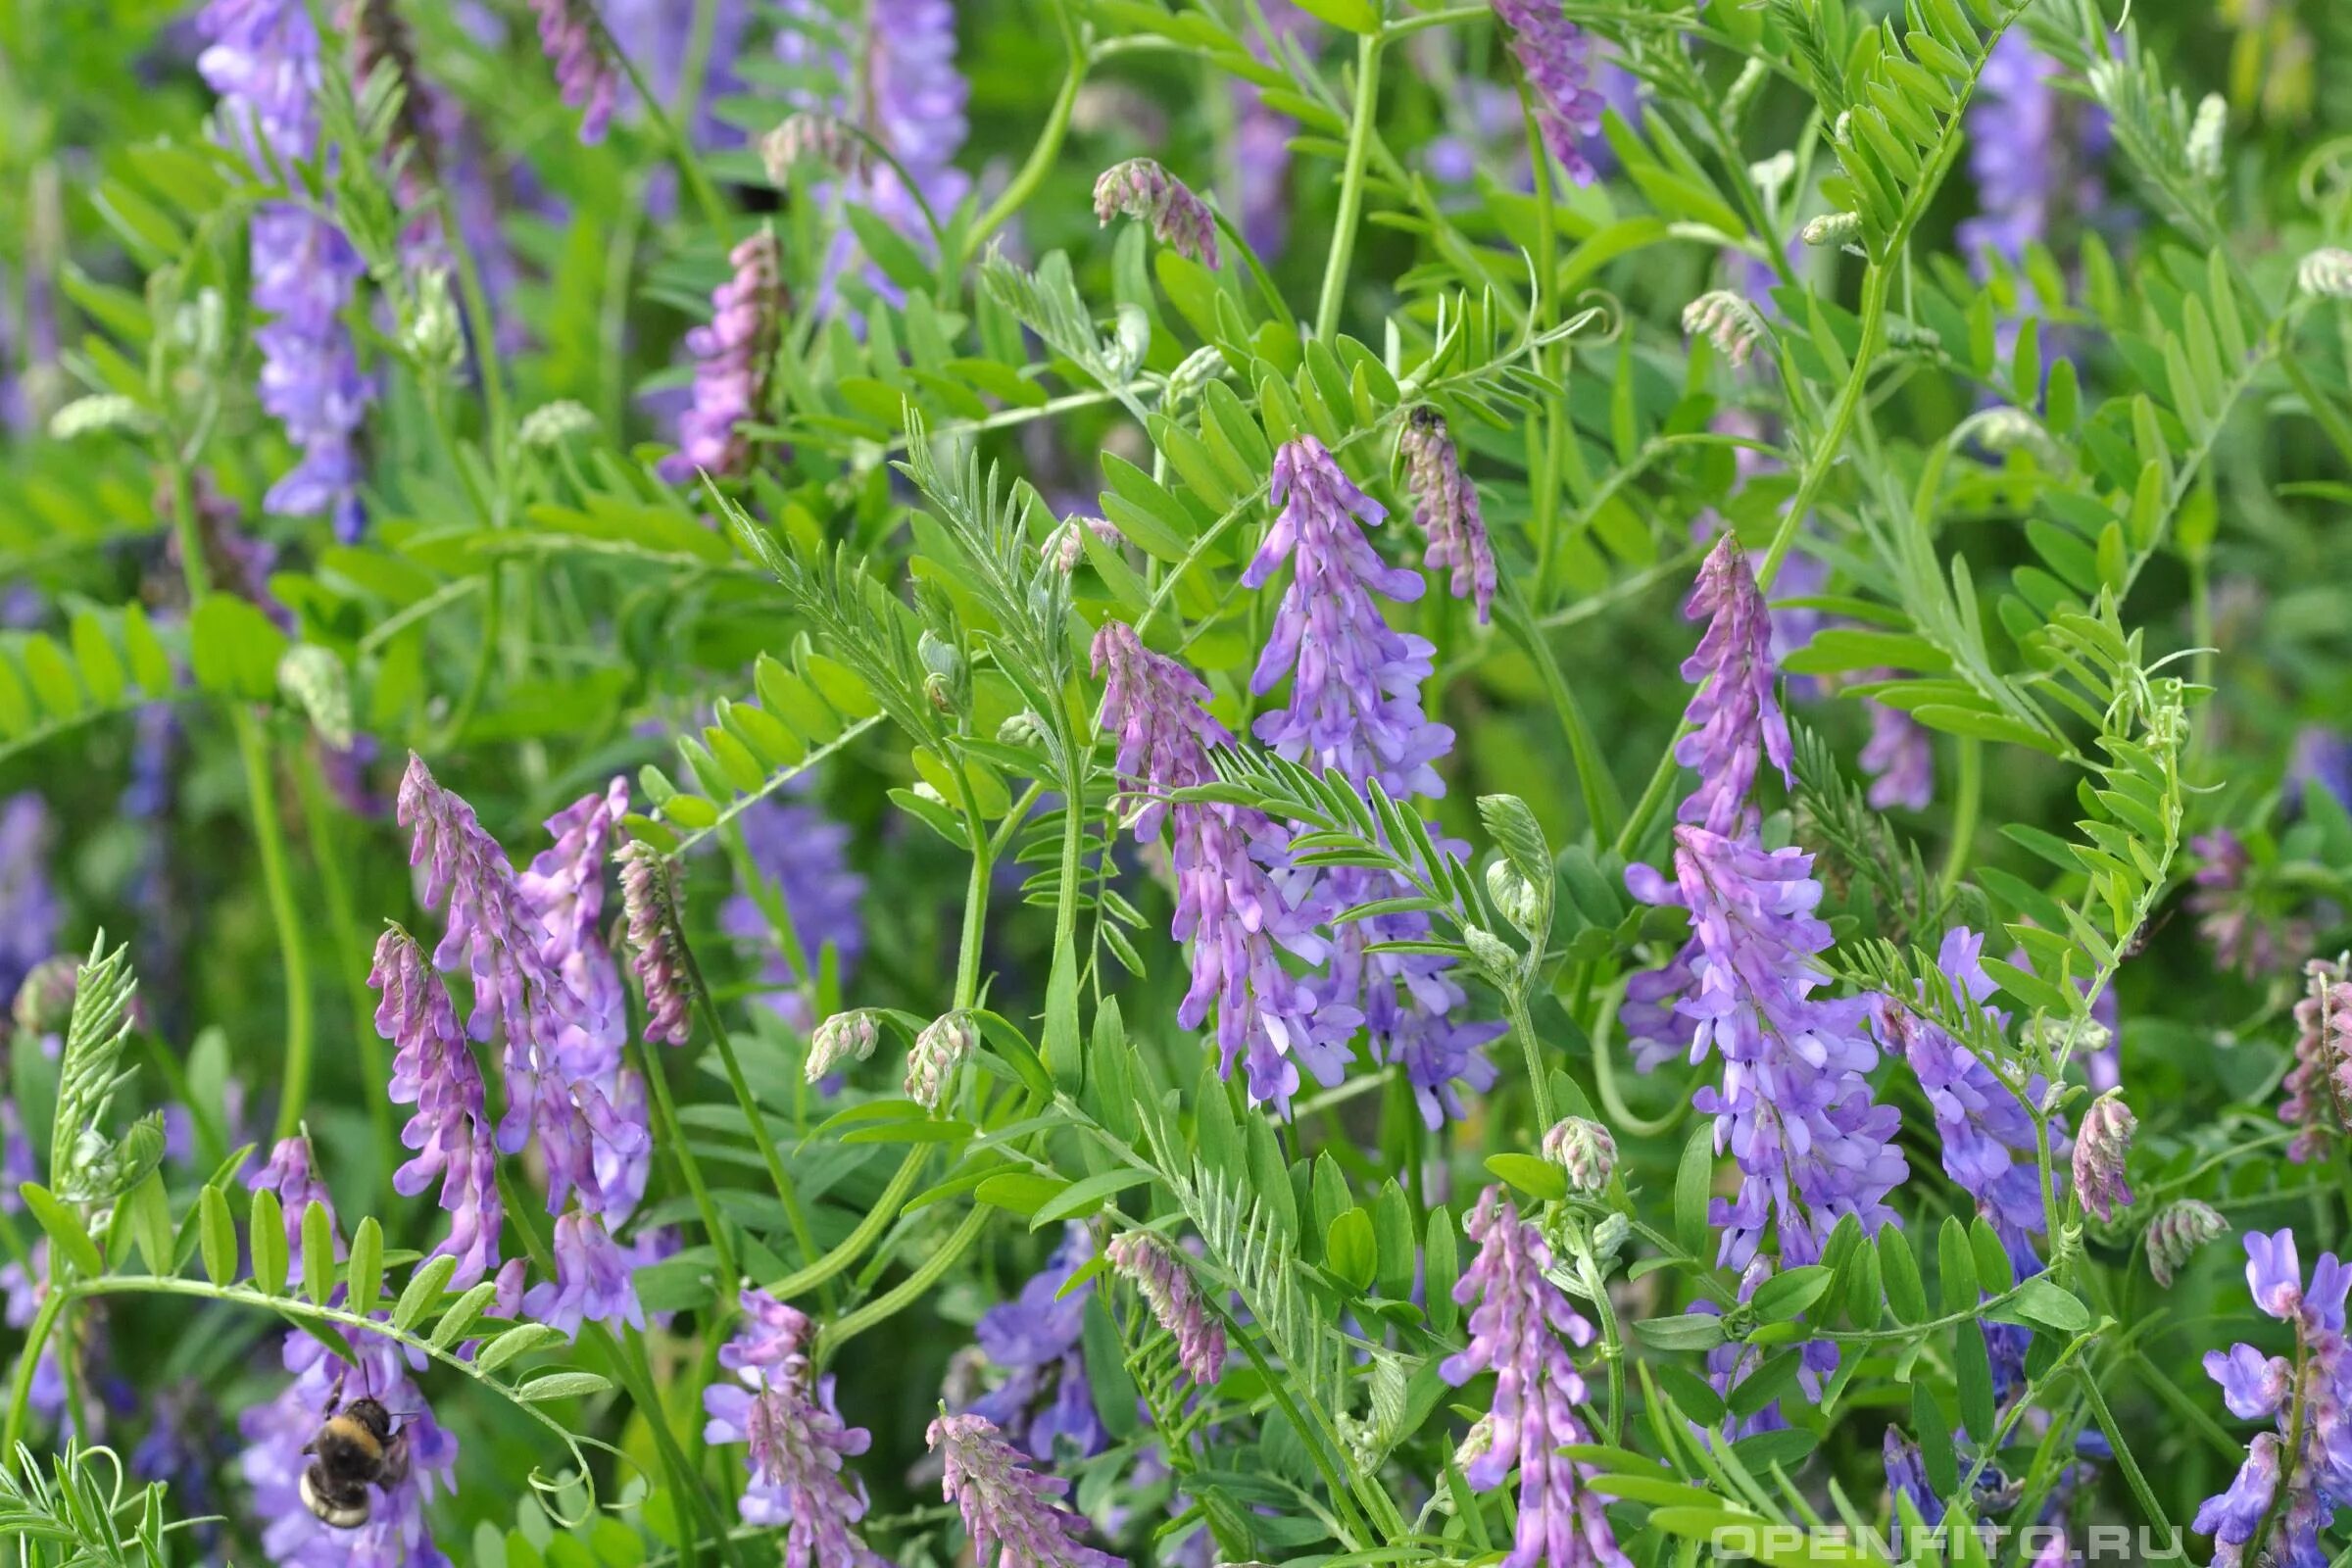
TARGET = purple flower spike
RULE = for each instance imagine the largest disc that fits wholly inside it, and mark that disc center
(1557, 61)
(2033, 150)
(1516, 1330)
(1044, 1406)
(1006, 1503)
(31, 915)
(1735, 714)
(592, 1280)
(1445, 506)
(262, 57)
(649, 893)
(1900, 760)
(805, 854)
(585, 73)
(2100, 1152)
(2319, 1087)
(1235, 902)
(2301, 1473)
(731, 356)
(1141, 188)
(2230, 912)
(433, 1069)
(1795, 1107)
(293, 1175)
(1355, 690)
(1167, 1287)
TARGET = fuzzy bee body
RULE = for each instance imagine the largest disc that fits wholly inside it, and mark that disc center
(355, 1448)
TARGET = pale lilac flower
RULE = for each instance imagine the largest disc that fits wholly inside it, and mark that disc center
(591, 1279)
(844, 1037)
(939, 1050)
(1557, 61)
(1517, 1328)
(1140, 188)
(732, 354)
(1795, 1107)
(2230, 909)
(2319, 1087)
(1005, 1504)
(1168, 1287)
(2101, 1149)
(1355, 688)
(650, 893)
(804, 855)
(433, 1069)
(1900, 760)
(1046, 1404)
(30, 917)
(1235, 903)
(1445, 506)
(570, 36)
(2033, 150)
(2321, 757)
(279, 1435)
(291, 1174)
(2310, 1453)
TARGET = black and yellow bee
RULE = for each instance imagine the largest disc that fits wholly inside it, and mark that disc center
(356, 1448)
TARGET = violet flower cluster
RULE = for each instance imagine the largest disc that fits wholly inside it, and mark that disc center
(561, 1064)
(1517, 1328)
(1006, 1504)
(585, 70)
(1354, 709)
(732, 352)
(1174, 1297)
(1795, 1107)
(1446, 507)
(263, 58)
(2032, 151)
(1556, 60)
(1045, 1404)
(30, 916)
(784, 1413)
(1236, 903)
(2300, 1474)
(433, 1069)
(1142, 189)
(2245, 937)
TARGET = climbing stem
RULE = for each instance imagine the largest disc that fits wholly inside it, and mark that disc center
(1351, 186)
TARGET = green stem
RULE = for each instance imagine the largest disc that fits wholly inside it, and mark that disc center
(852, 1246)
(1842, 419)
(1352, 186)
(1969, 796)
(907, 1290)
(36, 1338)
(666, 1116)
(754, 1119)
(1603, 805)
(1040, 162)
(1539, 1081)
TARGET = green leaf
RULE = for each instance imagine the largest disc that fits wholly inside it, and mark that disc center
(265, 1235)
(365, 1271)
(1392, 1229)
(64, 1229)
(1900, 1270)
(151, 1223)
(463, 1314)
(1956, 1263)
(1538, 1178)
(216, 1232)
(1083, 1197)
(1693, 1184)
(520, 1340)
(560, 1386)
(423, 1290)
(317, 1254)
(1786, 1294)
(1353, 15)
(1440, 1266)
(1020, 1191)
(2039, 1303)
(1349, 1250)
(1974, 1370)
(1690, 1331)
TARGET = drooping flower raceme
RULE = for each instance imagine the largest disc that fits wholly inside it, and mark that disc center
(649, 894)
(2319, 1087)
(1516, 1327)
(1235, 904)
(1168, 1287)
(1354, 709)
(1142, 189)
(262, 57)
(585, 71)
(784, 1413)
(732, 352)
(1735, 715)
(1445, 506)
(1795, 1107)
(1557, 61)
(2303, 1470)
(1006, 1504)
(2101, 1149)
(433, 1069)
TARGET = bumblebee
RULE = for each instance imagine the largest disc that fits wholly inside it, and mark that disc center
(356, 1448)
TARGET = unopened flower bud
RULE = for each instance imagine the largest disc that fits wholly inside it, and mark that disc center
(1833, 229)
(1512, 895)
(1179, 219)
(1065, 549)
(2177, 1233)
(844, 1037)
(824, 140)
(95, 414)
(650, 896)
(938, 1052)
(1726, 320)
(2205, 134)
(432, 337)
(1582, 1149)
(1493, 952)
(1609, 1235)
(552, 425)
(2101, 1149)
(1023, 729)
(2326, 272)
(45, 999)
(1475, 1442)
